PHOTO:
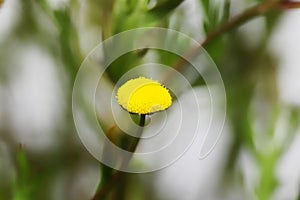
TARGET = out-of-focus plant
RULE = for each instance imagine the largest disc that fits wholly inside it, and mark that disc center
(249, 74)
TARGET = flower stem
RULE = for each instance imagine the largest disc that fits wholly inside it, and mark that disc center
(142, 120)
(136, 140)
(115, 178)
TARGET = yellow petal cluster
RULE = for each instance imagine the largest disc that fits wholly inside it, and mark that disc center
(143, 96)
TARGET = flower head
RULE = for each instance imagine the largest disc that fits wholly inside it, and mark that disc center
(143, 96)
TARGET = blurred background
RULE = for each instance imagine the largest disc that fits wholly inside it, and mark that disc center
(43, 43)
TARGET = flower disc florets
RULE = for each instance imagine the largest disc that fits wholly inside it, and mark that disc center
(143, 96)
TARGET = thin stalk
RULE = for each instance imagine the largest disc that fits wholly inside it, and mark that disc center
(136, 140)
(104, 190)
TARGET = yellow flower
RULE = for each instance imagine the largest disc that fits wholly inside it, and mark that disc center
(143, 96)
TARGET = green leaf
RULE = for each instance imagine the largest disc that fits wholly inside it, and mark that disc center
(214, 14)
(165, 7)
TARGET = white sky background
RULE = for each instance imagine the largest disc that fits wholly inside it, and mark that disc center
(31, 109)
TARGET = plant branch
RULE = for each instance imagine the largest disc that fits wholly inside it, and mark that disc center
(233, 23)
(250, 13)
(289, 4)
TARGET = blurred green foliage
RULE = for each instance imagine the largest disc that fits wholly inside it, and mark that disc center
(243, 70)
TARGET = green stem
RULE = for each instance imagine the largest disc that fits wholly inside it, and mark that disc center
(136, 140)
(104, 190)
(142, 120)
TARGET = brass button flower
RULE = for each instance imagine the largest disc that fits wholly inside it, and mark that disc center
(143, 96)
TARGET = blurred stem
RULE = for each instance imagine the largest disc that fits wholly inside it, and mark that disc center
(252, 12)
(116, 177)
(289, 5)
(233, 23)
